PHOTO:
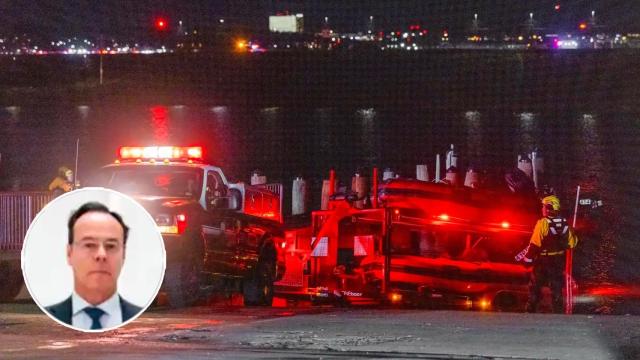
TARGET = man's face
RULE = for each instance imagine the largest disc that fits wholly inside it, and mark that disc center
(96, 254)
(545, 210)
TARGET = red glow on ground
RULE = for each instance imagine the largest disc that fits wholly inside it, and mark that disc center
(615, 290)
(286, 313)
(279, 302)
(183, 326)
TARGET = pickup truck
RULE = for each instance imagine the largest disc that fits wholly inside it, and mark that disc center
(217, 235)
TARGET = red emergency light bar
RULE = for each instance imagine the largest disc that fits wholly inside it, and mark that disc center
(443, 217)
(160, 152)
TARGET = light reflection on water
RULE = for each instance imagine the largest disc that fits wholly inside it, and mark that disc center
(527, 131)
(475, 138)
(368, 143)
(591, 173)
(160, 124)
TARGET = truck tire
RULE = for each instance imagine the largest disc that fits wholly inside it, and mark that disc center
(258, 290)
(11, 281)
(182, 284)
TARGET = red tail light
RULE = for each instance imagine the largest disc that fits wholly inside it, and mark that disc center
(181, 222)
(171, 224)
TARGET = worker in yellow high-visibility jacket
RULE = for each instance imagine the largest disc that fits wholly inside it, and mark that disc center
(63, 182)
(551, 236)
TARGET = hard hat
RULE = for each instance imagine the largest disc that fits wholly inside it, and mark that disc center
(553, 201)
(62, 170)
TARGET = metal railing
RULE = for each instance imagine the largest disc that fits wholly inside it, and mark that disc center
(277, 189)
(17, 210)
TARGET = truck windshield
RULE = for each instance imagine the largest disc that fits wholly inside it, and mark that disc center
(157, 180)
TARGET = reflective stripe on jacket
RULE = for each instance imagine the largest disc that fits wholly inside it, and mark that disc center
(551, 236)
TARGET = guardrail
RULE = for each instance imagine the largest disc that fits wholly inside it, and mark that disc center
(17, 210)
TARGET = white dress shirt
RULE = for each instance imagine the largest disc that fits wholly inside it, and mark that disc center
(112, 312)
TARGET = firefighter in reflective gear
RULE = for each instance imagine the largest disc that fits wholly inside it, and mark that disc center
(551, 236)
(63, 182)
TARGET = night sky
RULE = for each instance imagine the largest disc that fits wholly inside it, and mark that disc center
(55, 18)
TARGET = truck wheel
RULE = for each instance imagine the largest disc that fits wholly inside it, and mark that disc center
(258, 290)
(182, 284)
(12, 281)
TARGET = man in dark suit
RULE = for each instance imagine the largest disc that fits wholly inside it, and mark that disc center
(95, 252)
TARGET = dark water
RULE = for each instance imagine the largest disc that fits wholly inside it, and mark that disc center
(581, 114)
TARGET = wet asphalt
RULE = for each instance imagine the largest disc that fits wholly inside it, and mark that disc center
(227, 330)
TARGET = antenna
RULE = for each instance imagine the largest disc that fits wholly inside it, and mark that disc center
(75, 173)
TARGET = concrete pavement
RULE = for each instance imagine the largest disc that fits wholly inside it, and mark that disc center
(230, 331)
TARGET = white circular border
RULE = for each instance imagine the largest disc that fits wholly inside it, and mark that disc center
(133, 283)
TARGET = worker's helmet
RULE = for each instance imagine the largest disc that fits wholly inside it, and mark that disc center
(62, 170)
(551, 202)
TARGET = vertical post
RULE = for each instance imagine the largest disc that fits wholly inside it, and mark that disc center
(374, 189)
(568, 309)
(332, 182)
(575, 209)
(386, 247)
(437, 179)
(75, 173)
(534, 171)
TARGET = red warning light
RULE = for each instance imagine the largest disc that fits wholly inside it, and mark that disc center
(557, 7)
(505, 225)
(160, 152)
(161, 24)
(443, 217)
(181, 223)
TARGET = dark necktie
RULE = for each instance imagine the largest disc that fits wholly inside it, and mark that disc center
(95, 314)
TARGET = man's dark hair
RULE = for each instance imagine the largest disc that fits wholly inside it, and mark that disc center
(94, 206)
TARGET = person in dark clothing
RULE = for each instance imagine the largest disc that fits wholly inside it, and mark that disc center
(551, 236)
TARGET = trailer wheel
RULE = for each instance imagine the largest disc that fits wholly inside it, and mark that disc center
(12, 281)
(182, 284)
(258, 290)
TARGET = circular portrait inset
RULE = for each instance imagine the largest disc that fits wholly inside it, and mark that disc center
(93, 259)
